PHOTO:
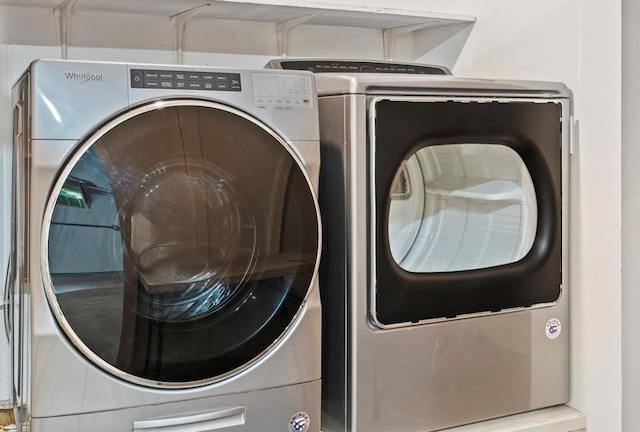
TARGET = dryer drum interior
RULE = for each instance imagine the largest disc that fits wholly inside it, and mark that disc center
(467, 208)
(182, 242)
(461, 207)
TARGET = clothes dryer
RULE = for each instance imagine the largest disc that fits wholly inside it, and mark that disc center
(167, 240)
(444, 276)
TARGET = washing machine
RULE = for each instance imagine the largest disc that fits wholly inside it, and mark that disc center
(167, 242)
(444, 276)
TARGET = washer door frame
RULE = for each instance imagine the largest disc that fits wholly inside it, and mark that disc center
(81, 147)
(398, 298)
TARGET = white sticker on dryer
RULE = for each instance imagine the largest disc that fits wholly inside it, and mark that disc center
(553, 328)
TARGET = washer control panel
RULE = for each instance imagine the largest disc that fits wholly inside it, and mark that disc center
(282, 90)
(185, 80)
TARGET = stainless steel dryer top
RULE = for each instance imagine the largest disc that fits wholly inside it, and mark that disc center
(425, 85)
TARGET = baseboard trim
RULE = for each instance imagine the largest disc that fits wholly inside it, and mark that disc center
(555, 419)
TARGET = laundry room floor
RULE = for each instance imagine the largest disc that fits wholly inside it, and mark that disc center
(6, 418)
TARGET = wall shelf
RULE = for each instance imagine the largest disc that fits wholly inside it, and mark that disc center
(366, 17)
(392, 24)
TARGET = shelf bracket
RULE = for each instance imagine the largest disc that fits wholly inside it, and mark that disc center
(391, 34)
(284, 27)
(179, 22)
(63, 13)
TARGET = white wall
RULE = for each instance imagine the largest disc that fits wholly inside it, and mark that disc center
(5, 196)
(575, 41)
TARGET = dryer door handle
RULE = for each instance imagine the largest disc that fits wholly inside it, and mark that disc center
(196, 423)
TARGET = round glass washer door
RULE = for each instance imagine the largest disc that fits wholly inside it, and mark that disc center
(182, 241)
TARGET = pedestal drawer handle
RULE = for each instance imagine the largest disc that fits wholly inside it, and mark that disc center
(196, 423)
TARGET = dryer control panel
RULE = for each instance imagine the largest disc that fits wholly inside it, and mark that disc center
(185, 80)
(357, 66)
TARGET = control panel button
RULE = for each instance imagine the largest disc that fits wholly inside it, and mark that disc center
(235, 81)
(137, 78)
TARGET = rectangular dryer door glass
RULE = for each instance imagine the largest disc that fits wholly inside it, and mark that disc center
(461, 207)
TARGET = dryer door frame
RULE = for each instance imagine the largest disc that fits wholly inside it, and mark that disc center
(280, 321)
(398, 126)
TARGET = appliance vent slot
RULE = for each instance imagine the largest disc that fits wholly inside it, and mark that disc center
(401, 185)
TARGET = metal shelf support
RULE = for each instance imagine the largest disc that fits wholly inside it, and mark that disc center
(391, 34)
(284, 27)
(179, 22)
(63, 13)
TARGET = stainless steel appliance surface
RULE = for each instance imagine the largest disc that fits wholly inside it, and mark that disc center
(166, 244)
(444, 277)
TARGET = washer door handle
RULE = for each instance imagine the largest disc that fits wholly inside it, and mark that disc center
(197, 423)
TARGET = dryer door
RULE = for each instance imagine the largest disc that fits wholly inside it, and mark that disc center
(183, 238)
(467, 207)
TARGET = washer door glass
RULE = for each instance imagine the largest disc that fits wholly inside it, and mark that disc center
(182, 242)
(461, 207)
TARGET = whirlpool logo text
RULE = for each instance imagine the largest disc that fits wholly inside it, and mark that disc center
(83, 77)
